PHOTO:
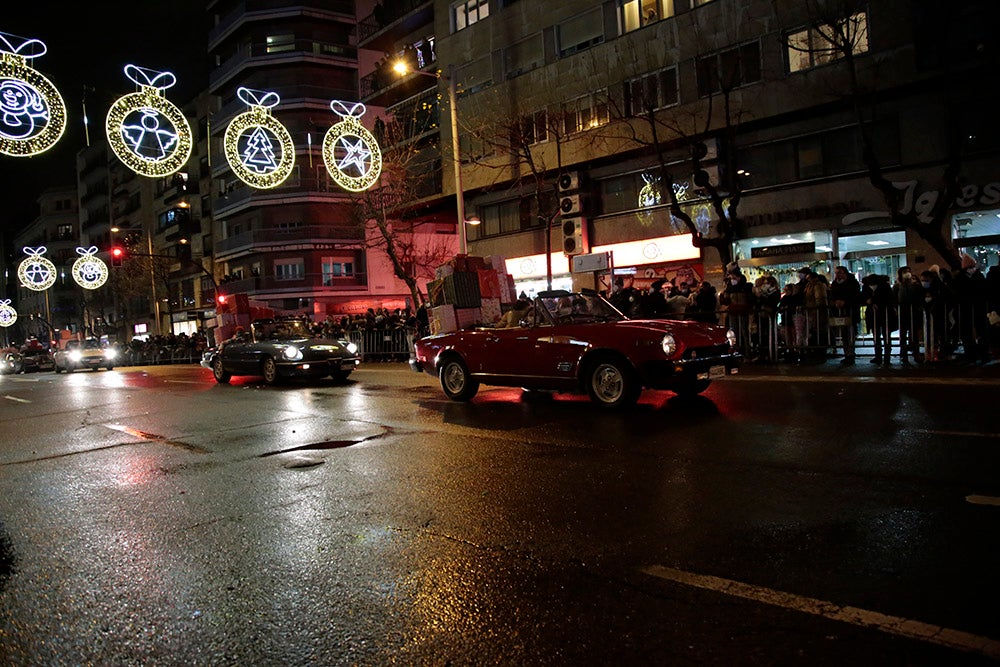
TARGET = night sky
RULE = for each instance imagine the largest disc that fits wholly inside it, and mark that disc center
(89, 44)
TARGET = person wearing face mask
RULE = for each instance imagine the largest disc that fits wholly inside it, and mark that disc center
(768, 297)
(909, 296)
(970, 289)
(738, 299)
(935, 314)
(845, 297)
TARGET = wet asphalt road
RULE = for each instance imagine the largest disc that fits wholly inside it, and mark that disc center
(149, 516)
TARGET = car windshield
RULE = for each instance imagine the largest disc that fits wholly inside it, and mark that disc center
(283, 330)
(91, 344)
(574, 307)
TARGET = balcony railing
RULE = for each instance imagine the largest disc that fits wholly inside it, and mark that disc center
(259, 239)
(386, 14)
(267, 7)
(261, 53)
(309, 281)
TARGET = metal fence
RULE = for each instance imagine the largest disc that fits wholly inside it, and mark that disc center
(382, 344)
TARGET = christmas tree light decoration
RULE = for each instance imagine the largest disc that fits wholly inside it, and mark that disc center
(350, 152)
(7, 313)
(32, 112)
(36, 272)
(147, 132)
(259, 149)
(89, 271)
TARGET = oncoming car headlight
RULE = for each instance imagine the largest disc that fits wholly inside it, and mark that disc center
(110, 353)
(731, 337)
(75, 355)
(352, 348)
(292, 353)
(669, 345)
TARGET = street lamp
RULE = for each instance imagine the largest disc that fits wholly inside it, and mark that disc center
(401, 68)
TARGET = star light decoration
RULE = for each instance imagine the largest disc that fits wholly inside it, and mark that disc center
(32, 112)
(7, 313)
(89, 271)
(259, 149)
(36, 272)
(146, 131)
(350, 152)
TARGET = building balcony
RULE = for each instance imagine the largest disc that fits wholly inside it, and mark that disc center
(392, 22)
(310, 282)
(261, 54)
(304, 184)
(268, 10)
(291, 96)
(270, 240)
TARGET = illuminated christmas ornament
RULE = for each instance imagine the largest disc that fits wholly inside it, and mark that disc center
(7, 313)
(350, 152)
(89, 271)
(146, 131)
(36, 272)
(32, 112)
(259, 148)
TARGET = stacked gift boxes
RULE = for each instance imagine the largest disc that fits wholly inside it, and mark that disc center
(469, 290)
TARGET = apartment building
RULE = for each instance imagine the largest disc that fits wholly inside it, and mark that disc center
(610, 96)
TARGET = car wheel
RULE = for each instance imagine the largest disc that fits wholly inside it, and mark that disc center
(690, 386)
(57, 370)
(269, 370)
(110, 367)
(612, 384)
(221, 376)
(456, 381)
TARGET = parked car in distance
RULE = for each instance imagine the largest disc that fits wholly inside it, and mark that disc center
(578, 342)
(10, 363)
(87, 353)
(35, 360)
(276, 349)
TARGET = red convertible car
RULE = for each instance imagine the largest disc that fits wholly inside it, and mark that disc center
(578, 342)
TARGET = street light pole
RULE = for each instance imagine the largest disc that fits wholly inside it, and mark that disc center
(456, 158)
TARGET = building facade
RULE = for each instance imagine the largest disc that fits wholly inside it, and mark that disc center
(583, 108)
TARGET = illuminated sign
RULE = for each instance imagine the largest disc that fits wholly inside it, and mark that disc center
(36, 272)
(32, 113)
(89, 271)
(259, 149)
(631, 253)
(350, 152)
(147, 132)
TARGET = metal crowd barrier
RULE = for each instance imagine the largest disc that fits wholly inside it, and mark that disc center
(382, 344)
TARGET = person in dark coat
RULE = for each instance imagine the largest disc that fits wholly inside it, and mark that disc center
(970, 290)
(654, 303)
(880, 315)
(845, 295)
(910, 298)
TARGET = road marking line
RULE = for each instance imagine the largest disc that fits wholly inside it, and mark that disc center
(862, 379)
(15, 398)
(983, 500)
(895, 625)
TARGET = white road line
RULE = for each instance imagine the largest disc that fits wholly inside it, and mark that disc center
(983, 500)
(15, 398)
(895, 625)
(863, 379)
(961, 434)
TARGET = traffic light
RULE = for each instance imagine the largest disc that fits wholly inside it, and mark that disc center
(221, 299)
(117, 256)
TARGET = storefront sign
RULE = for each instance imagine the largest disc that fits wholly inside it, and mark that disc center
(780, 250)
(922, 204)
(836, 210)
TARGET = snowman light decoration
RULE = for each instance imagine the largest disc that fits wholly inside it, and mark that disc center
(32, 113)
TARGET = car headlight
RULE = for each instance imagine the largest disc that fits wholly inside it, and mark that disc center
(292, 353)
(75, 355)
(110, 353)
(352, 348)
(731, 337)
(669, 345)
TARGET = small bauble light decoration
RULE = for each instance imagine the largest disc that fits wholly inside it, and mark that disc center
(32, 112)
(146, 131)
(7, 313)
(36, 272)
(351, 152)
(259, 149)
(89, 271)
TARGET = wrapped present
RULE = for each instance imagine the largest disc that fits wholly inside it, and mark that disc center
(435, 292)
(475, 263)
(489, 284)
(498, 262)
(491, 311)
(443, 319)
(467, 317)
(459, 262)
(508, 292)
(461, 289)
(444, 270)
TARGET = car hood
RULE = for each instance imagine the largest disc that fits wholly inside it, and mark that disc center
(693, 334)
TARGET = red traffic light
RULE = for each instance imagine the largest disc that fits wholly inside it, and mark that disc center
(221, 299)
(117, 255)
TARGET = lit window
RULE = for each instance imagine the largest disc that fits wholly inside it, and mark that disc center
(289, 270)
(468, 12)
(585, 112)
(280, 43)
(822, 44)
(634, 14)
